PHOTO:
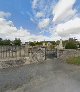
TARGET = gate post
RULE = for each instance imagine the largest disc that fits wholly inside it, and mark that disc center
(45, 53)
(26, 49)
(58, 53)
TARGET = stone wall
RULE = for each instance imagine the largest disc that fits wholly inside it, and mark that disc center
(66, 53)
(15, 56)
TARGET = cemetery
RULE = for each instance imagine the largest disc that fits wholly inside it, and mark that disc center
(39, 46)
(11, 56)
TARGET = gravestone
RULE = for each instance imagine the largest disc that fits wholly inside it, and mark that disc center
(60, 47)
(44, 44)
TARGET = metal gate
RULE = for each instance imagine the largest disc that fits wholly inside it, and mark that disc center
(37, 54)
(16, 55)
(51, 53)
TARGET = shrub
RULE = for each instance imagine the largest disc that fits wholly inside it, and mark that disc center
(70, 45)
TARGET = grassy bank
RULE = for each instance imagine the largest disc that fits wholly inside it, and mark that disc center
(74, 60)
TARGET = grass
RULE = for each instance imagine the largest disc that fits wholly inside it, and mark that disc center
(74, 60)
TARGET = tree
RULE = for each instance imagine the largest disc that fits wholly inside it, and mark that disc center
(70, 45)
(32, 44)
(57, 42)
(5, 42)
(53, 43)
(38, 43)
(1, 42)
(17, 42)
(0, 39)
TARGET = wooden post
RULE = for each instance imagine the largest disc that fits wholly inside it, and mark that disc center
(20, 51)
(26, 50)
(12, 51)
(45, 53)
(56, 52)
(6, 51)
(1, 51)
(9, 51)
(16, 51)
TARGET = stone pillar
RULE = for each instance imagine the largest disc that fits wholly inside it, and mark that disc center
(58, 53)
(26, 49)
(44, 44)
(60, 47)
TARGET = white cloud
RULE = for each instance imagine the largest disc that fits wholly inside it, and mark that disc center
(54, 36)
(64, 16)
(39, 14)
(44, 23)
(63, 10)
(9, 31)
(4, 14)
(71, 27)
(67, 23)
(34, 3)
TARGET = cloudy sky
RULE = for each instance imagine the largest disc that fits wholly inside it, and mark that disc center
(37, 20)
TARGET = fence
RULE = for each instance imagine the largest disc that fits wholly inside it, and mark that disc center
(17, 55)
(7, 52)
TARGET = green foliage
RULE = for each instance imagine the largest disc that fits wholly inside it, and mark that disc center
(38, 43)
(5, 42)
(35, 43)
(17, 42)
(64, 42)
(79, 45)
(74, 60)
(70, 45)
(53, 43)
(57, 42)
(32, 44)
(9, 42)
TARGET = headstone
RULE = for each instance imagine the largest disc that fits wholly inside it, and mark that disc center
(60, 47)
(43, 43)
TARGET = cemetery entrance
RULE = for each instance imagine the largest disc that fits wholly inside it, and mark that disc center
(18, 55)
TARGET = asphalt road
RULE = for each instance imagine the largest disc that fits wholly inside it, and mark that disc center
(50, 76)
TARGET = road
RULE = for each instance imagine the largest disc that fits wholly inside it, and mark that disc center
(50, 76)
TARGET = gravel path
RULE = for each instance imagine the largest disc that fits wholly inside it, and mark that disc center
(50, 76)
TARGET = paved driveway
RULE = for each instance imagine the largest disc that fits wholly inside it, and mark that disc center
(50, 76)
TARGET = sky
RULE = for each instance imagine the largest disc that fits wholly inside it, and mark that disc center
(38, 20)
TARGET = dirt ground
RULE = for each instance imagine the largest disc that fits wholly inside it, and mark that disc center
(49, 76)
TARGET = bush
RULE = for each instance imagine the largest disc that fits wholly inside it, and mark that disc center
(70, 45)
(17, 42)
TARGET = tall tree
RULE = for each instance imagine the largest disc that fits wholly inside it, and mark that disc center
(17, 42)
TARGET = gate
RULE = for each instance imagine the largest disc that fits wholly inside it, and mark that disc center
(37, 54)
(16, 55)
(51, 53)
